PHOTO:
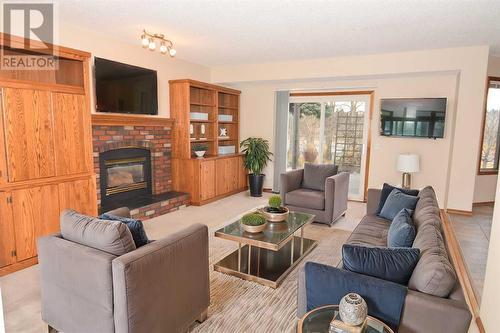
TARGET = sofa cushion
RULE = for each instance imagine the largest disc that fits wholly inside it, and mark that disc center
(315, 175)
(434, 274)
(427, 209)
(390, 264)
(109, 236)
(135, 226)
(402, 231)
(396, 201)
(306, 198)
(386, 190)
(371, 231)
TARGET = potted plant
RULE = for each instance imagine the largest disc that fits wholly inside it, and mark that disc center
(275, 212)
(200, 150)
(257, 155)
(253, 222)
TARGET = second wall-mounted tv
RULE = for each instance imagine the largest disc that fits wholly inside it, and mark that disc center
(123, 88)
(413, 117)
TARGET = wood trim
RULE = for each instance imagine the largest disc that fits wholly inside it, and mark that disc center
(369, 145)
(113, 119)
(485, 102)
(205, 85)
(459, 212)
(204, 202)
(483, 203)
(43, 181)
(18, 266)
(53, 87)
(333, 93)
(61, 51)
(461, 269)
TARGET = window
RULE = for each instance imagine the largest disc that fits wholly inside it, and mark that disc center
(490, 142)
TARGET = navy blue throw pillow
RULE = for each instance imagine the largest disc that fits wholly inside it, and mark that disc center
(390, 264)
(396, 201)
(135, 226)
(386, 190)
(402, 231)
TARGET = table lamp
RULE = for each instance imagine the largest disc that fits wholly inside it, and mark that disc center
(408, 163)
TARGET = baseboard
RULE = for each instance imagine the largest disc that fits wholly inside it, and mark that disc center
(483, 203)
(268, 190)
(18, 266)
(459, 212)
(461, 270)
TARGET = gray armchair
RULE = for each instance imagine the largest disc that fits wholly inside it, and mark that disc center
(162, 286)
(328, 201)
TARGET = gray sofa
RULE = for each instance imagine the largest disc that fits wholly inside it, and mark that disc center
(435, 301)
(162, 286)
(327, 204)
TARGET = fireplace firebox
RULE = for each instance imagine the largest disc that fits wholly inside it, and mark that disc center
(125, 174)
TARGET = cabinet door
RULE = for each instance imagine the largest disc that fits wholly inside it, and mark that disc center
(28, 133)
(226, 175)
(207, 180)
(70, 133)
(7, 239)
(243, 174)
(36, 213)
(79, 195)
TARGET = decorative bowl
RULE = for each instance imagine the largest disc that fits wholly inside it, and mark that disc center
(253, 229)
(200, 153)
(353, 309)
(275, 217)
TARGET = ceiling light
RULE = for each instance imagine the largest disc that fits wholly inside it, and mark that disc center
(149, 40)
(163, 48)
(144, 40)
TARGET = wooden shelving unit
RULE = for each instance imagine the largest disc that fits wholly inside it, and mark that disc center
(190, 174)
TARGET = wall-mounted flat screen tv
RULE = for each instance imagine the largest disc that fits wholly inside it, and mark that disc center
(413, 117)
(125, 88)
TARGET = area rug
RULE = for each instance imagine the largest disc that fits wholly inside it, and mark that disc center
(242, 306)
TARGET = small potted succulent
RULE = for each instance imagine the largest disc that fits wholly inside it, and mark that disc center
(253, 222)
(275, 212)
(200, 150)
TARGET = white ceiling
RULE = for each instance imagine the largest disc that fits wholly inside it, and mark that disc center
(220, 32)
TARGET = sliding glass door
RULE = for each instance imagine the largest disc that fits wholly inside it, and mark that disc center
(330, 129)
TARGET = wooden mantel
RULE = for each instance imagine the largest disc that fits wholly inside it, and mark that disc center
(113, 119)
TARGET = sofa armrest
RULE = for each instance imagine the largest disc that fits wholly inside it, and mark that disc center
(290, 181)
(336, 194)
(441, 314)
(163, 285)
(76, 286)
(121, 212)
(373, 200)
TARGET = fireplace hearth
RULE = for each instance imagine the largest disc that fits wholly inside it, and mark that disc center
(125, 176)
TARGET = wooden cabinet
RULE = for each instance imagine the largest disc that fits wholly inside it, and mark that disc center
(46, 161)
(227, 173)
(28, 134)
(7, 240)
(207, 180)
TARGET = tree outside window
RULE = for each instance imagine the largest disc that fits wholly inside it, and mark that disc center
(490, 148)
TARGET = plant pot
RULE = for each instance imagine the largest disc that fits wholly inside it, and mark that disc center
(256, 182)
(273, 216)
(254, 228)
(200, 153)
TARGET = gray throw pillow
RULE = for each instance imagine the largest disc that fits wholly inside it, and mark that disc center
(315, 175)
(109, 236)
(402, 231)
(396, 201)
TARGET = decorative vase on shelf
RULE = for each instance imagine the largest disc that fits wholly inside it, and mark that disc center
(353, 309)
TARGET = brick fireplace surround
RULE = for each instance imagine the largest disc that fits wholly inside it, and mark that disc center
(120, 131)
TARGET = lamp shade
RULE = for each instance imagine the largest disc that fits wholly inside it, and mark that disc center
(408, 163)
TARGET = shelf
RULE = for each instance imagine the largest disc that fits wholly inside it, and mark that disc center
(227, 122)
(200, 121)
(202, 104)
(199, 141)
(228, 107)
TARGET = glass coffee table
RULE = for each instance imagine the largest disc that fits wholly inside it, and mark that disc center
(269, 256)
(318, 321)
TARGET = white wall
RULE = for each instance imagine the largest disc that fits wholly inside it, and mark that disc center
(258, 116)
(469, 62)
(100, 45)
(485, 188)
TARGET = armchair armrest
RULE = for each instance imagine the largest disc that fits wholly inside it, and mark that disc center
(290, 181)
(336, 195)
(373, 200)
(164, 284)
